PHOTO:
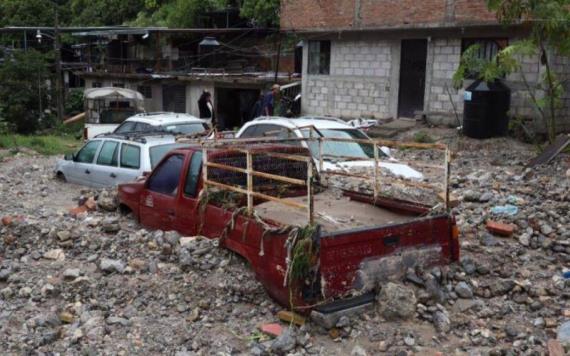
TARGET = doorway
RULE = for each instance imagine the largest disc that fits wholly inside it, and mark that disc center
(174, 98)
(412, 77)
(234, 106)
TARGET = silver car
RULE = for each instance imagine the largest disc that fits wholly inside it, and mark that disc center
(112, 159)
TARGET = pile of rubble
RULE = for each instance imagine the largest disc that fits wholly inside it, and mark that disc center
(76, 276)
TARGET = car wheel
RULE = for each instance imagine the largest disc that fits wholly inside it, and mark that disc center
(61, 177)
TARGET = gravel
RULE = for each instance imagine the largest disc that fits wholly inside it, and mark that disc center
(99, 283)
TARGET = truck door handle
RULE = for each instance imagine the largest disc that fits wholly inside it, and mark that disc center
(391, 240)
(113, 175)
(87, 171)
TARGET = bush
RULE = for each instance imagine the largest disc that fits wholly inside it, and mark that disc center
(423, 137)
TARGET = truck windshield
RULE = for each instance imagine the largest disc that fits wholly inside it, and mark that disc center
(339, 150)
(157, 152)
(187, 128)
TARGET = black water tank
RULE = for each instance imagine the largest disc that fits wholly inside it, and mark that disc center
(486, 108)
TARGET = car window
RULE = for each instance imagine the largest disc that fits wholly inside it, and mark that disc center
(268, 131)
(142, 127)
(125, 127)
(87, 153)
(108, 154)
(250, 132)
(166, 176)
(130, 156)
(157, 152)
(186, 128)
(332, 149)
(193, 175)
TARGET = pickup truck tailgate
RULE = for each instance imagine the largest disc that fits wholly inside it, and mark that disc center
(359, 259)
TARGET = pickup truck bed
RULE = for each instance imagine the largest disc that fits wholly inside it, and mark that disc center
(335, 213)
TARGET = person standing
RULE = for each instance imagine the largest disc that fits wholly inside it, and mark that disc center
(271, 101)
(206, 108)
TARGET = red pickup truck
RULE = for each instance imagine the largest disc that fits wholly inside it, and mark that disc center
(356, 241)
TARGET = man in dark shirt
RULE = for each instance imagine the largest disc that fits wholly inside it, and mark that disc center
(271, 101)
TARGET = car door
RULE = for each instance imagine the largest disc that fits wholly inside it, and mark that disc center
(187, 214)
(105, 171)
(80, 171)
(158, 199)
(130, 163)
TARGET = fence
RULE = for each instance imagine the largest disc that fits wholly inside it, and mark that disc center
(285, 158)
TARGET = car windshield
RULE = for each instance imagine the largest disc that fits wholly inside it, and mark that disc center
(340, 150)
(157, 152)
(187, 128)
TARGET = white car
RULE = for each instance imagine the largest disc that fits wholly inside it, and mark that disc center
(114, 158)
(284, 128)
(176, 123)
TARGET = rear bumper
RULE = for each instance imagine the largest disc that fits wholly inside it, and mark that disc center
(327, 315)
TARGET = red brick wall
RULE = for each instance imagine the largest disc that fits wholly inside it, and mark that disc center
(340, 14)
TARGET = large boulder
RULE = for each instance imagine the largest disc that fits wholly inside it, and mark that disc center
(396, 302)
(108, 200)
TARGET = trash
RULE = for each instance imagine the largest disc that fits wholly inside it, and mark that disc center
(271, 329)
(500, 228)
(566, 275)
(290, 317)
(505, 210)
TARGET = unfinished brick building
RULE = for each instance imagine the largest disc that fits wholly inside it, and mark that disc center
(396, 58)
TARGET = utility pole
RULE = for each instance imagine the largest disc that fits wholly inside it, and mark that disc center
(58, 76)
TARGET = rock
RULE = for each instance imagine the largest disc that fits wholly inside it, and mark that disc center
(112, 320)
(471, 196)
(488, 240)
(71, 273)
(441, 322)
(185, 258)
(524, 240)
(485, 197)
(110, 225)
(66, 317)
(343, 321)
(511, 330)
(468, 266)
(564, 333)
(463, 290)
(109, 265)
(358, 350)
(7, 220)
(63, 235)
(55, 254)
(409, 340)
(284, 342)
(4, 274)
(25, 292)
(546, 229)
(396, 302)
(108, 200)
(501, 287)
(172, 237)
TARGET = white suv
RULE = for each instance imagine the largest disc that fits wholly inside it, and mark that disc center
(111, 159)
(176, 123)
(304, 127)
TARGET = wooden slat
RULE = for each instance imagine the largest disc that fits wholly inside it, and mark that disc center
(256, 194)
(257, 173)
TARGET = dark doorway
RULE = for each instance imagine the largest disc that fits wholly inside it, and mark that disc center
(174, 98)
(234, 107)
(412, 77)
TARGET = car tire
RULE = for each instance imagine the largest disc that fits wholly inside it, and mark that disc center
(60, 177)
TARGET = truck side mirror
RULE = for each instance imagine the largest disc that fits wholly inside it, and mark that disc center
(146, 174)
(69, 157)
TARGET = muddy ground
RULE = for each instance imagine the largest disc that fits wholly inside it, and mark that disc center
(98, 283)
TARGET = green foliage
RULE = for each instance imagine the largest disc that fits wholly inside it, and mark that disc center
(104, 12)
(46, 144)
(32, 12)
(74, 101)
(175, 13)
(261, 12)
(23, 91)
(423, 137)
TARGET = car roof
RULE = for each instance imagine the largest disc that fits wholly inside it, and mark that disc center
(320, 122)
(159, 118)
(148, 138)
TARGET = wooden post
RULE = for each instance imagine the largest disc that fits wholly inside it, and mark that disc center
(249, 183)
(321, 163)
(447, 164)
(376, 173)
(205, 167)
(310, 203)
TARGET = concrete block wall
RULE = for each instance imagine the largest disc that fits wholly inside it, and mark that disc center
(359, 83)
(561, 66)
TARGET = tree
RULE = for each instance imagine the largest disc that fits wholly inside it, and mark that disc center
(261, 12)
(32, 12)
(24, 93)
(549, 22)
(175, 13)
(104, 12)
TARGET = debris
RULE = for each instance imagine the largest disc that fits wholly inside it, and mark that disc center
(66, 317)
(508, 209)
(397, 302)
(272, 329)
(284, 342)
(109, 265)
(55, 254)
(7, 220)
(551, 151)
(291, 317)
(108, 200)
(463, 290)
(500, 228)
(564, 333)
